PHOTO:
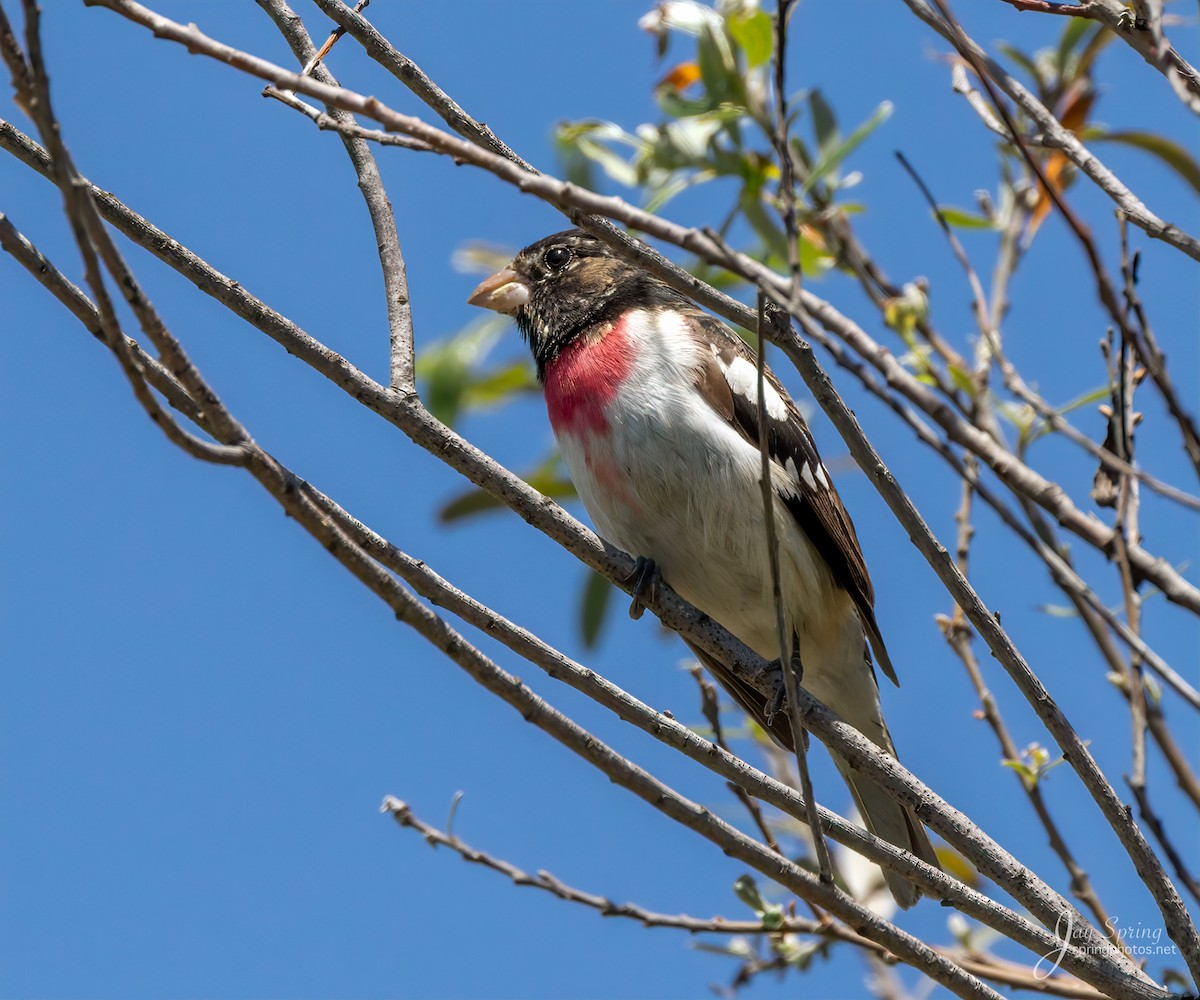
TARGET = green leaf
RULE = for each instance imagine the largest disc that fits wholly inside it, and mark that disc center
(824, 124)
(1073, 34)
(962, 380)
(588, 138)
(547, 478)
(830, 160)
(764, 224)
(1028, 775)
(1167, 150)
(718, 67)
(593, 607)
(448, 367)
(467, 504)
(1087, 399)
(800, 151)
(814, 261)
(496, 386)
(1101, 38)
(1027, 64)
(962, 219)
(746, 889)
(755, 33)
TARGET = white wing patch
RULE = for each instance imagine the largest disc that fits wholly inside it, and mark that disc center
(812, 475)
(742, 377)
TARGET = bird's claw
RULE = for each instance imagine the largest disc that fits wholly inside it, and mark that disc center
(775, 677)
(775, 705)
(645, 584)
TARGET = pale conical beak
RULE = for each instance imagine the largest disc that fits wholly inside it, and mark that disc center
(505, 292)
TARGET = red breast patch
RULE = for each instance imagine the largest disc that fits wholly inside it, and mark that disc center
(584, 378)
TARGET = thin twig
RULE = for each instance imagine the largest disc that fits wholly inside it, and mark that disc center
(791, 657)
(334, 35)
(788, 653)
(985, 71)
(986, 320)
(710, 708)
(1008, 973)
(326, 122)
(411, 75)
(1055, 136)
(379, 207)
(1145, 39)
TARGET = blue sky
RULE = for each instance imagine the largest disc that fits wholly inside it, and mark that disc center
(201, 711)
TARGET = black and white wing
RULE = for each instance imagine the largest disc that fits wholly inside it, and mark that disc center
(728, 379)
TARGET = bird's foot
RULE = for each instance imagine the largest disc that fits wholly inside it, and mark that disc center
(645, 577)
(775, 678)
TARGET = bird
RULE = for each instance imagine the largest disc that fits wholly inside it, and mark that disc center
(654, 405)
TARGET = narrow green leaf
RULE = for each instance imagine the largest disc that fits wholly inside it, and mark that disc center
(814, 261)
(442, 393)
(718, 67)
(1087, 399)
(830, 160)
(755, 33)
(764, 225)
(588, 139)
(961, 219)
(800, 151)
(547, 478)
(1073, 34)
(593, 607)
(824, 124)
(619, 169)
(1027, 64)
(467, 504)
(1167, 150)
(496, 386)
(1028, 775)
(962, 380)
(1101, 38)
(676, 186)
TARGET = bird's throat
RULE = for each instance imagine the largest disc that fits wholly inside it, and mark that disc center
(582, 380)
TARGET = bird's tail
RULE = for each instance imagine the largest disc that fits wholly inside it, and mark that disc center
(854, 696)
(896, 824)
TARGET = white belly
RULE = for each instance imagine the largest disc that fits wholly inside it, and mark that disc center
(674, 483)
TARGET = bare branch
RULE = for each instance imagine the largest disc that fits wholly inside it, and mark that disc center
(391, 259)
(1144, 38)
(1007, 973)
(1054, 136)
(411, 75)
(325, 121)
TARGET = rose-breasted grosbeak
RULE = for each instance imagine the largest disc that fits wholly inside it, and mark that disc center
(655, 407)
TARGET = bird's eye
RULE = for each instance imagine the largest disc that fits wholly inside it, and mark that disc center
(556, 258)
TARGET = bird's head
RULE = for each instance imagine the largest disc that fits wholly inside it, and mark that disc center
(560, 287)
